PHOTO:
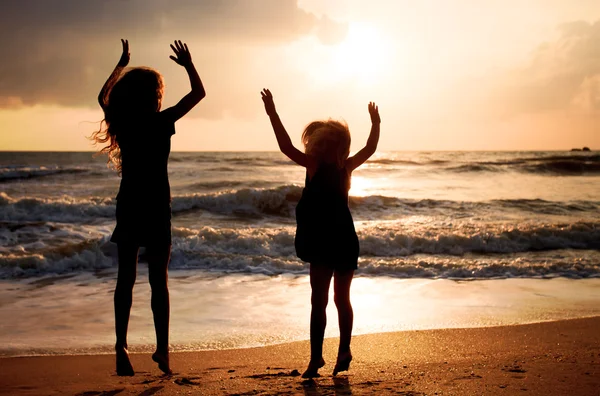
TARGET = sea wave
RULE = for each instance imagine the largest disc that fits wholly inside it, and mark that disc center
(564, 165)
(402, 240)
(228, 185)
(13, 173)
(63, 209)
(281, 202)
(394, 251)
(391, 161)
(553, 165)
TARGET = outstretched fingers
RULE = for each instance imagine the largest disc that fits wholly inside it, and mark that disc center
(175, 48)
(374, 112)
(182, 53)
(124, 60)
(182, 48)
(265, 93)
(267, 98)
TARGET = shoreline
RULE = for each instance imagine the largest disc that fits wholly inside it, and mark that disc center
(555, 357)
(215, 313)
(147, 349)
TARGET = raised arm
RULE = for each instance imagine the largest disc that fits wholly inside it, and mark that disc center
(359, 158)
(283, 139)
(183, 58)
(114, 76)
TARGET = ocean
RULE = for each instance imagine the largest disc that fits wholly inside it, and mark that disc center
(440, 234)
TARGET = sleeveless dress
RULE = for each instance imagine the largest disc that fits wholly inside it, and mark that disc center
(144, 198)
(325, 233)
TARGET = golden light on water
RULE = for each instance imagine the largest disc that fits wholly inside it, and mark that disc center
(360, 186)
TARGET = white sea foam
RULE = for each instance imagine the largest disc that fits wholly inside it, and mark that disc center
(234, 212)
(385, 250)
(281, 202)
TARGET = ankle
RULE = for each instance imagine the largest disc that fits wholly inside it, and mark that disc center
(344, 351)
(316, 363)
(120, 346)
(162, 352)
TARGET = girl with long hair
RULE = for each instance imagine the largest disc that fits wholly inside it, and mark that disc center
(138, 137)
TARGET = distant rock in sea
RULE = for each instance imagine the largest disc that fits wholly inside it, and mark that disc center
(581, 149)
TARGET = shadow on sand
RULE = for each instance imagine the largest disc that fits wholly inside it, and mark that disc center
(341, 386)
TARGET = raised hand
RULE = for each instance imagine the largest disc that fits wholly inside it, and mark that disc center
(267, 98)
(125, 56)
(114, 76)
(374, 113)
(182, 54)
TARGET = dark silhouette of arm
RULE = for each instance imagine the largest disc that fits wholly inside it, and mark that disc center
(283, 139)
(359, 158)
(114, 76)
(187, 103)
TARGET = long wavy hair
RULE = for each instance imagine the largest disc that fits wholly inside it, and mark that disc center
(137, 93)
(327, 141)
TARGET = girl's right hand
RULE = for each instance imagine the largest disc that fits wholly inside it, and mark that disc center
(267, 98)
(182, 54)
(125, 56)
(374, 113)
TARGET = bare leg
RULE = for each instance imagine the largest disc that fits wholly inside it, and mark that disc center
(320, 279)
(341, 288)
(158, 262)
(123, 299)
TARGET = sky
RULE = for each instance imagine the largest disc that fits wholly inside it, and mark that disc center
(447, 75)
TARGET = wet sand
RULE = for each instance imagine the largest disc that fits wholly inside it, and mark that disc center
(551, 358)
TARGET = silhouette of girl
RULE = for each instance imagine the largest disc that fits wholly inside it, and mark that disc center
(138, 135)
(325, 235)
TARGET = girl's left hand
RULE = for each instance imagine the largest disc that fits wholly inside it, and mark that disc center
(374, 113)
(125, 56)
(182, 54)
(267, 98)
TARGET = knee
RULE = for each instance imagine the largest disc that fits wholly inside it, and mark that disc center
(125, 281)
(342, 301)
(319, 300)
(158, 283)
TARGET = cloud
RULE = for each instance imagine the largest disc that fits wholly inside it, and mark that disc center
(563, 74)
(59, 52)
(587, 97)
(331, 32)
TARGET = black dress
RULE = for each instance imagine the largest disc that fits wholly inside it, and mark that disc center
(144, 198)
(325, 233)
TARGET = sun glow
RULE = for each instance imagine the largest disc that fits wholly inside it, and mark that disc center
(361, 57)
(361, 54)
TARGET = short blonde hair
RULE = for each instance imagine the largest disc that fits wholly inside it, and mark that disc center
(327, 141)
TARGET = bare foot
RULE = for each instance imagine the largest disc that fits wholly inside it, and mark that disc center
(124, 367)
(163, 362)
(343, 362)
(313, 368)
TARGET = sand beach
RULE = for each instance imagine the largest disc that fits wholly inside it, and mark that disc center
(551, 358)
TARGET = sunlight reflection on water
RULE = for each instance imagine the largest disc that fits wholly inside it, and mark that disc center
(216, 312)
